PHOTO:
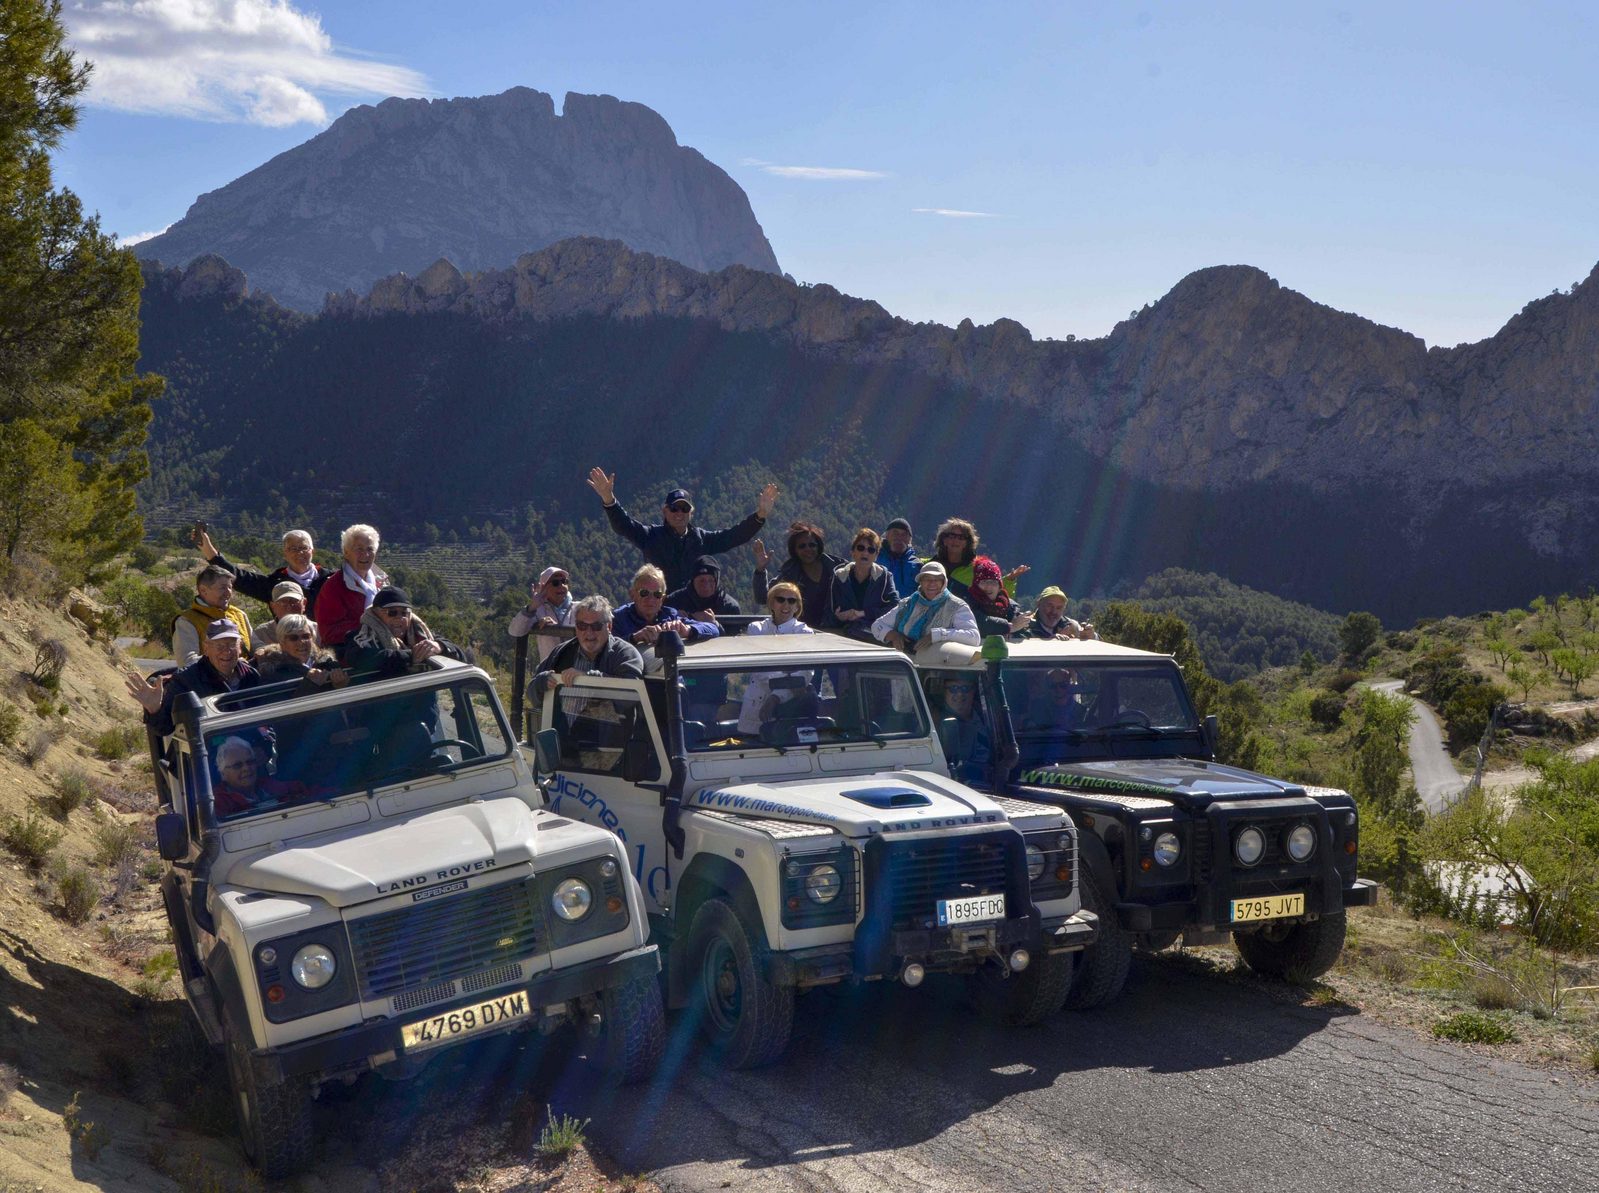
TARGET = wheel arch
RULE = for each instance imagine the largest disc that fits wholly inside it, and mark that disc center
(708, 877)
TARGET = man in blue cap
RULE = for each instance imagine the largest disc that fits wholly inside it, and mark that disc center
(675, 543)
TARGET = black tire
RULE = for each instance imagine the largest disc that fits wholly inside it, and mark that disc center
(274, 1119)
(1026, 998)
(745, 1016)
(1102, 967)
(1298, 952)
(632, 1031)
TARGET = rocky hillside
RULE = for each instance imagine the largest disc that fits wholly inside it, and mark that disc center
(480, 181)
(1228, 379)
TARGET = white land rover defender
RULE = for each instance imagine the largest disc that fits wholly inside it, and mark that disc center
(358, 877)
(785, 805)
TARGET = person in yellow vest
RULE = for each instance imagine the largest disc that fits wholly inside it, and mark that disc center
(213, 601)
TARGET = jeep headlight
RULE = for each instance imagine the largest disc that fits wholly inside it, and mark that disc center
(1301, 842)
(824, 883)
(572, 899)
(1168, 847)
(1250, 846)
(1035, 862)
(314, 966)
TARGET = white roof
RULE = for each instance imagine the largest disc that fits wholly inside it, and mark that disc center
(735, 649)
(1056, 652)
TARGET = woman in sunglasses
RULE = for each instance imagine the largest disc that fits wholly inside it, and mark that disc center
(956, 549)
(808, 567)
(863, 590)
(786, 605)
(296, 655)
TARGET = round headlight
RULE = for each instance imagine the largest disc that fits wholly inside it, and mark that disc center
(1167, 849)
(1250, 846)
(823, 884)
(1301, 842)
(572, 899)
(1035, 862)
(314, 966)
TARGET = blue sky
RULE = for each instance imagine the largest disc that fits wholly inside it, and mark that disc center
(1430, 166)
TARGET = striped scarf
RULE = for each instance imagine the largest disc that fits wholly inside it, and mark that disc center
(915, 611)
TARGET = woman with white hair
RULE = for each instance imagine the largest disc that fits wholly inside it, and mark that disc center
(348, 592)
(242, 787)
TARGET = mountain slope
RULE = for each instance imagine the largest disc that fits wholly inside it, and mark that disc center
(480, 181)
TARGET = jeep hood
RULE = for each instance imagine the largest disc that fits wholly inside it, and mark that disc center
(442, 846)
(1187, 782)
(857, 805)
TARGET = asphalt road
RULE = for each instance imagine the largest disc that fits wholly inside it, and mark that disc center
(1189, 1081)
(1437, 781)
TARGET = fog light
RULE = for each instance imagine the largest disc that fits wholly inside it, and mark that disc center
(1020, 960)
(912, 974)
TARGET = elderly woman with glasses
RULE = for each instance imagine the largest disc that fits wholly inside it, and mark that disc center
(296, 655)
(863, 590)
(786, 605)
(808, 567)
(242, 786)
(956, 548)
(642, 620)
(929, 616)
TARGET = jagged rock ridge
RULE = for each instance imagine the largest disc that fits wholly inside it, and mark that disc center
(1228, 379)
(479, 181)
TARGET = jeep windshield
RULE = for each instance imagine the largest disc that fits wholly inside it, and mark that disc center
(1094, 709)
(800, 704)
(282, 758)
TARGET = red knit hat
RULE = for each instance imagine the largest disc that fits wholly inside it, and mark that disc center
(984, 568)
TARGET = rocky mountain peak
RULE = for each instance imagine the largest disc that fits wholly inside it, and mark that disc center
(394, 186)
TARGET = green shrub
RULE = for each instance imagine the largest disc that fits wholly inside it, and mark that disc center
(10, 723)
(32, 840)
(115, 842)
(38, 745)
(1470, 1027)
(1327, 709)
(91, 1136)
(116, 744)
(79, 894)
(1343, 680)
(561, 1136)
(72, 791)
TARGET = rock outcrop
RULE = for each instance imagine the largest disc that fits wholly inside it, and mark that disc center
(478, 181)
(1227, 380)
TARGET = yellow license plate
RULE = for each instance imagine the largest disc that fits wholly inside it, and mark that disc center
(1270, 907)
(449, 1026)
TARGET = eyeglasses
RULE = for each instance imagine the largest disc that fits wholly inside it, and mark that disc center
(558, 581)
(865, 549)
(650, 592)
(589, 627)
(681, 507)
(956, 534)
(959, 689)
(241, 765)
(808, 545)
(395, 611)
(297, 637)
(783, 600)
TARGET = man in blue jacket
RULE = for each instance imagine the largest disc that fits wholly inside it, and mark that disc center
(899, 556)
(675, 543)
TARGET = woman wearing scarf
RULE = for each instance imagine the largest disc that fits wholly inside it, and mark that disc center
(996, 613)
(786, 604)
(393, 640)
(348, 593)
(956, 548)
(931, 614)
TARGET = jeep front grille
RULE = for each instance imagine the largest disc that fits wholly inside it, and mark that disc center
(444, 939)
(915, 875)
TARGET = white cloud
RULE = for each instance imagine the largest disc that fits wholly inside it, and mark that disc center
(822, 173)
(254, 61)
(956, 214)
(128, 242)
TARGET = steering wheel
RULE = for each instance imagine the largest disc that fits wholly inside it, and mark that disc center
(468, 750)
(1132, 716)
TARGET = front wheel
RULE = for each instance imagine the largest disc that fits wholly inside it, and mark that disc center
(1298, 952)
(746, 1017)
(632, 1031)
(1025, 998)
(1102, 972)
(274, 1117)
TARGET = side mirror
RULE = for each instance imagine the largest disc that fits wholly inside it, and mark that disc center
(949, 737)
(171, 836)
(547, 751)
(1212, 734)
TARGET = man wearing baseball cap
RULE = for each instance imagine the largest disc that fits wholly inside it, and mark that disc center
(675, 543)
(703, 593)
(550, 604)
(220, 668)
(1050, 620)
(287, 597)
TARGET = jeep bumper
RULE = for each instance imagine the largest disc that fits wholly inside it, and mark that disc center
(1209, 913)
(376, 1043)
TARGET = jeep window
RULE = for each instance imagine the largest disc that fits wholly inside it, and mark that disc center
(605, 736)
(1096, 698)
(279, 759)
(798, 705)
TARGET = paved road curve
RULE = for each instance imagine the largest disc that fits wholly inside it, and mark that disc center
(1437, 781)
(1188, 1082)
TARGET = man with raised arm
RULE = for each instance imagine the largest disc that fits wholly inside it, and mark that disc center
(298, 565)
(219, 668)
(675, 543)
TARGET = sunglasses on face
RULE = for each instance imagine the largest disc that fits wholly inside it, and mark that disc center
(589, 627)
(865, 549)
(395, 612)
(785, 600)
(956, 534)
(650, 592)
(558, 581)
(681, 507)
(297, 637)
(960, 689)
